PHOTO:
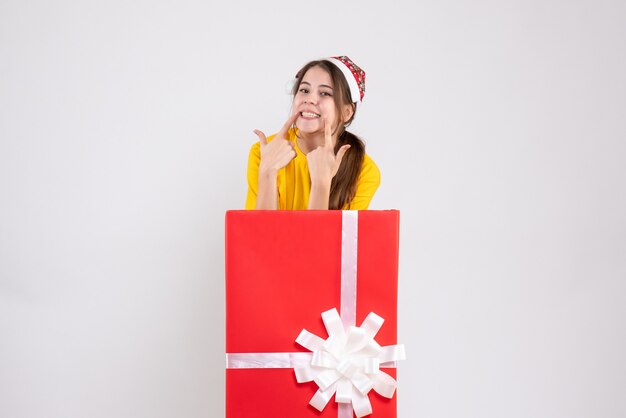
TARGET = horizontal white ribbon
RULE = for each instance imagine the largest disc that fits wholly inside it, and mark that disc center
(267, 360)
(277, 361)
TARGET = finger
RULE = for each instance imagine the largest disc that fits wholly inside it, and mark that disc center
(342, 151)
(284, 160)
(287, 125)
(261, 136)
(328, 135)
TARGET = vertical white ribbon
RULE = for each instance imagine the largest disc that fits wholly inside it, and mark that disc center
(349, 257)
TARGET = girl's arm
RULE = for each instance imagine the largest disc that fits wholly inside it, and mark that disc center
(320, 194)
(267, 195)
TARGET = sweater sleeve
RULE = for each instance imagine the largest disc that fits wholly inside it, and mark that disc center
(254, 159)
(367, 184)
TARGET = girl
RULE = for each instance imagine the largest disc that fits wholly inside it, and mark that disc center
(313, 162)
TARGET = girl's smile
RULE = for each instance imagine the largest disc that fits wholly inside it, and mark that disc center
(309, 115)
(314, 101)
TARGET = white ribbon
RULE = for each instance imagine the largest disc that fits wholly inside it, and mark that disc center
(347, 364)
(267, 360)
(349, 252)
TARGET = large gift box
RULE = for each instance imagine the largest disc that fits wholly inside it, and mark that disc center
(306, 296)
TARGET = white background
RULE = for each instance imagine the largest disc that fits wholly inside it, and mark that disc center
(500, 131)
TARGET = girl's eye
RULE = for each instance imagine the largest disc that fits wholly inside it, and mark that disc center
(326, 94)
(304, 91)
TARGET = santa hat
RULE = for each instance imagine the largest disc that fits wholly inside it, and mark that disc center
(354, 75)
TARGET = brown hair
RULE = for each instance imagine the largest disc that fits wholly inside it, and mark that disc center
(343, 185)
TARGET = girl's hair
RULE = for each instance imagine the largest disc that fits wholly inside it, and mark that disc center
(343, 185)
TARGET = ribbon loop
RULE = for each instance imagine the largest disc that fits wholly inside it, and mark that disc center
(371, 365)
(392, 353)
(326, 379)
(384, 384)
(372, 324)
(321, 398)
(304, 374)
(344, 392)
(362, 383)
(323, 359)
(333, 324)
(309, 341)
(357, 339)
(361, 404)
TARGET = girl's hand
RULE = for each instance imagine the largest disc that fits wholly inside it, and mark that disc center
(279, 151)
(322, 161)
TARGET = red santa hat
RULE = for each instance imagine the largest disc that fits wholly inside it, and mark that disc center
(354, 75)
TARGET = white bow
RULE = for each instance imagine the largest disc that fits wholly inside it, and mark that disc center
(347, 364)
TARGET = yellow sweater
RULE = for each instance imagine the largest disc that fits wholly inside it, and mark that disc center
(294, 183)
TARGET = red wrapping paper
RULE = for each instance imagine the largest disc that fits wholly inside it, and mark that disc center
(283, 269)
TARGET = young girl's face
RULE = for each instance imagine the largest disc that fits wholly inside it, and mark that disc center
(315, 101)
